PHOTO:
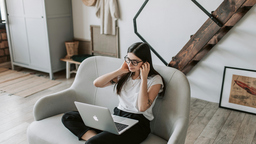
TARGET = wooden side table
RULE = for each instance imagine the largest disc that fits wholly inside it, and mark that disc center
(68, 63)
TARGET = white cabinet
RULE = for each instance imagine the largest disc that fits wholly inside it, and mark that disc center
(37, 31)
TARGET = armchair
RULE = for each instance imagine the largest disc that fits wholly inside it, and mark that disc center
(171, 112)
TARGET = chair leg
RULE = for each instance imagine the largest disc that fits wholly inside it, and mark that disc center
(67, 70)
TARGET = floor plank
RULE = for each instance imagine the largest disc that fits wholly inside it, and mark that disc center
(196, 107)
(16, 112)
(246, 131)
(204, 140)
(20, 137)
(254, 139)
(200, 122)
(213, 128)
(230, 128)
(14, 132)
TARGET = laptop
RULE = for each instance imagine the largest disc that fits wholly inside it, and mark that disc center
(100, 118)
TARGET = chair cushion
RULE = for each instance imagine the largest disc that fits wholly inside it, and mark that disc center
(52, 131)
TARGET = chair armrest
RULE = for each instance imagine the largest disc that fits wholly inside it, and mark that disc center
(180, 131)
(54, 104)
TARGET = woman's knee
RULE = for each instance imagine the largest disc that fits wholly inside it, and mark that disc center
(70, 116)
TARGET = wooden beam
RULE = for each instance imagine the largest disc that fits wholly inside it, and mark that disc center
(220, 34)
(210, 32)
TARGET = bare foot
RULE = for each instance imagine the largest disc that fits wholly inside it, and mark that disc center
(89, 134)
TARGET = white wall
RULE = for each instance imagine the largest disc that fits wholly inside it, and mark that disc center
(167, 26)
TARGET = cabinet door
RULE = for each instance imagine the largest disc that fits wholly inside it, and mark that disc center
(15, 7)
(19, 40)
(33, 8)
(17, 31)
(36, 34)
(38, 48)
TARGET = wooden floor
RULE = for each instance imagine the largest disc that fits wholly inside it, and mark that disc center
(208, 124)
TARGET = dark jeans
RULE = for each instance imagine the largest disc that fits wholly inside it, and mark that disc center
(135, 135)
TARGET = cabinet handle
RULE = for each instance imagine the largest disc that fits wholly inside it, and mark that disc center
(42, 16)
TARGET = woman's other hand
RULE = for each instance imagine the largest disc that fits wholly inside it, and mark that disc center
(124, 68)
(144, 70)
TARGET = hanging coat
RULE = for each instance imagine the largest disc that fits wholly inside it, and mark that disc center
(108, 12)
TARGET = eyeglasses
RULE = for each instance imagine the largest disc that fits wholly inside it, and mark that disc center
(134, 62)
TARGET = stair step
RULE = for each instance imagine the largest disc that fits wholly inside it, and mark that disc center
(244, 9)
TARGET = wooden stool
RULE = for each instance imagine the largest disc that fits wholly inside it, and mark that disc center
(68, 63)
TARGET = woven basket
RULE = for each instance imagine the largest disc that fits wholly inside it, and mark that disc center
(89, 2)
(72, 48)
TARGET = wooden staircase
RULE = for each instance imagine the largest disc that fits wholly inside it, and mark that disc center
(228, 13)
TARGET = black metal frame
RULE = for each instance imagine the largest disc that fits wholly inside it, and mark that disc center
(136, 32)
(207, 13)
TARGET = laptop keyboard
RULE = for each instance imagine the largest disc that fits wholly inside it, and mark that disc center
(120, 126)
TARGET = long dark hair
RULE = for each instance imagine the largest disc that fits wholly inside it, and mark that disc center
(142, 51)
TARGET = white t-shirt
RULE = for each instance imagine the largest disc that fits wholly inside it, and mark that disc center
(128, 99)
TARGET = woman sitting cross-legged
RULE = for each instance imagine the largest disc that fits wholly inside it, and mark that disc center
(138, 85)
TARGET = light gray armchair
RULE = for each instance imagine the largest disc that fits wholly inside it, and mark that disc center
(171, 112)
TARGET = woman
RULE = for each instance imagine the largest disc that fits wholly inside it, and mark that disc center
(138, 84)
